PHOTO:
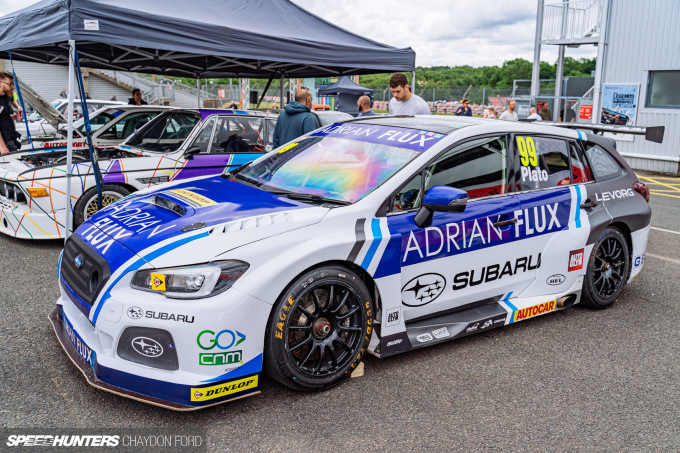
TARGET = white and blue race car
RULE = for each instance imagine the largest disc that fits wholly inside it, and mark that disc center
(377, 235)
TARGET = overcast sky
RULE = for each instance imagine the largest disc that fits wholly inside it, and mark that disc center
(442, 32)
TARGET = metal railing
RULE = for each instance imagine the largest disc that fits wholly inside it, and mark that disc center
(569, 20)
(152, 91)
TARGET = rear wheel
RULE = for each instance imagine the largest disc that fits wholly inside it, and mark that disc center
(608, 270)
(87, 205)
(319, 329)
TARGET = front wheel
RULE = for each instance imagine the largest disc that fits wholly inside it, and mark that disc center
(319, 329)
(87, 205)
(608, 270)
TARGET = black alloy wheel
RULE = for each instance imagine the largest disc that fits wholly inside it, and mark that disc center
(319, 329)
(608, 270)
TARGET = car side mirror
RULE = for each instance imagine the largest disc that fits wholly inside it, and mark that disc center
(440, 199)
(189, 153)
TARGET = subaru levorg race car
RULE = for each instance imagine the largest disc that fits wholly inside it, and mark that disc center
(377, 235)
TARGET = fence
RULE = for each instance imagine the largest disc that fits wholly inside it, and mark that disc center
(475, 94)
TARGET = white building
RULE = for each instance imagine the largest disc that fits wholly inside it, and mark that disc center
(638, 44)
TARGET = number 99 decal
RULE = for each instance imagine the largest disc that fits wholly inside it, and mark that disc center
(527, 151)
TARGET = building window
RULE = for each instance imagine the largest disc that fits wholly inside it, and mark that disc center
(662, 89)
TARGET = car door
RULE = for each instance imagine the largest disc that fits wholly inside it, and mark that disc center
(225, 142)
(557, 198)
(461, 258)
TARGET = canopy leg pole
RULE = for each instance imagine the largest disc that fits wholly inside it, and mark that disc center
(269, 82)
(198, 91)
(281, 92)
(69, 138)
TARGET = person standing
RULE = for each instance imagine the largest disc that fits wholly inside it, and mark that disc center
(464, 109)
(404, 102)
(533, 115)
(15, 104)
(545, 113)
(63, 93)
(364, 106)
(570, 114)
(8, 132)
(136, 98)
(491, 114)
(114, 98)
(296, 119)
(509, 114)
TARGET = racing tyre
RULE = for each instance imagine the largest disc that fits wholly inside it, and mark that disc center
(86, 206)
(319, 329)
(608, 270)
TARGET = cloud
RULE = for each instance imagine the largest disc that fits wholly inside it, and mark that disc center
(446, 32)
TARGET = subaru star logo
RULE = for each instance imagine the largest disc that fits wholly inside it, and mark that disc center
(147, 346)
(135, 312)
(78, 261)
(422, 290)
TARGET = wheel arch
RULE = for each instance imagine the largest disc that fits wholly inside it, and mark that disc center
(625, 230)
(360, 271)
(126, 186)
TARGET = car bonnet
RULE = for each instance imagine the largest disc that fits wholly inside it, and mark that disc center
(169, 215)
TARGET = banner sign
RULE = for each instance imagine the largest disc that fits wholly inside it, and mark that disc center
(619, 104)
(585, 112)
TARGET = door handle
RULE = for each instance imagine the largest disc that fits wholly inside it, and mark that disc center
(507, 222)
(588, 204)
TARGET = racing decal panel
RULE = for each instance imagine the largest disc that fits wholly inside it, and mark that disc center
(461, 257)
(149, 219)
(563, 244)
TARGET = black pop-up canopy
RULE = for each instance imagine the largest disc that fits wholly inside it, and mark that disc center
(200, 38)
(347, 92)
(345, 85)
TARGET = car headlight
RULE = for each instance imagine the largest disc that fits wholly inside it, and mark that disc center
(190, 282)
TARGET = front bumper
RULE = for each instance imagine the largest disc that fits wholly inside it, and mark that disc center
(21, 221)
(192, 385)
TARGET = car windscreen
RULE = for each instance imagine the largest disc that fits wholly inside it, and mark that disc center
(166, 132)
(96, 122)
(35, 116)
(331, 167)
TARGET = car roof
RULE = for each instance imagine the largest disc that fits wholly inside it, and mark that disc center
(447, 124)
(98, 101)
(443, 124)
(228, 111)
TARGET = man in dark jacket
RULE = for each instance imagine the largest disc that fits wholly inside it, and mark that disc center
(8, 133)
(296, 120)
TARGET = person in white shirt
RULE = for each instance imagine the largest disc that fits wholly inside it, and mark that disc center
(533, 115)
(509, 114)
(404, 102)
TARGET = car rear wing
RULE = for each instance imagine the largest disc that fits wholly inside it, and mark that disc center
(652, 133)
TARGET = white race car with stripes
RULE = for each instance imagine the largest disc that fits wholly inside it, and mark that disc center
(376, 235)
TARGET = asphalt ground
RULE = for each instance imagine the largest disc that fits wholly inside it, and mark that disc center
(575, 380)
